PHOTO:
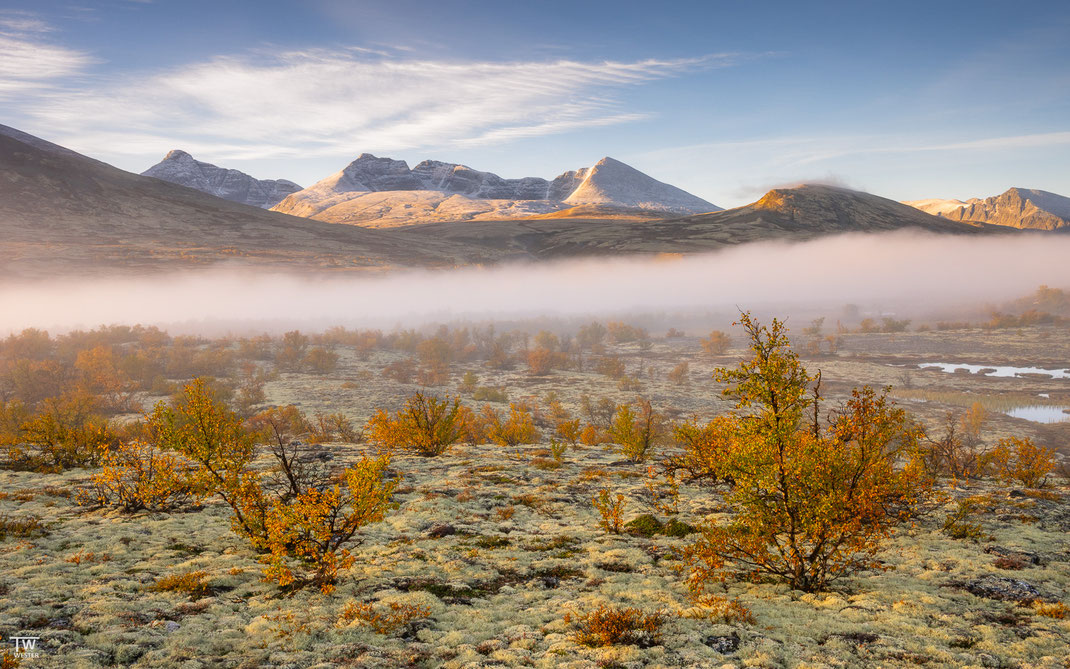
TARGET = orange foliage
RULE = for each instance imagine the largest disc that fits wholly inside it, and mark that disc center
(813, 502)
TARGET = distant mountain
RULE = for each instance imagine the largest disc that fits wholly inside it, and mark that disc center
(382, 192)
(181, 168)
(64, 213)
(1016, 208)
(801, 213)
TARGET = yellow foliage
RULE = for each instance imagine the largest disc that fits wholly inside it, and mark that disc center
(611, 509)
(383, 619)
(1021, 461)
(426, 425)
(813, 502)
(518, 428)
(608, 626)
(138, 475)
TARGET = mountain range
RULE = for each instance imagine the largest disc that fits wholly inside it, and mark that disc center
(1017, 208)
(383, 192)
(62, 213)
(179, 167)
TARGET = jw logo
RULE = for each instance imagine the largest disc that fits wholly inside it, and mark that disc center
(25, 646)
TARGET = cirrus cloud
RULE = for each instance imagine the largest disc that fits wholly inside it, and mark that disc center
(318, 102)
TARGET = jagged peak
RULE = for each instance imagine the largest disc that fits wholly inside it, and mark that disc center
(177, 154)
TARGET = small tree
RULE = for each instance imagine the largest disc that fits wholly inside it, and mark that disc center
(716, 344)
(637, 429)
(813, 501)
(1021, 461)
(426, 425)
(517, 428)
(299, 520)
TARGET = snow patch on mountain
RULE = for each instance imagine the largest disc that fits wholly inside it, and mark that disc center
(181, 168)
(383, 192)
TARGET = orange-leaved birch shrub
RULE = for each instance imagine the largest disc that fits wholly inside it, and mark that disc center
(813, 501)
(704, 449)
(611, 510)
(300, 519)
(515, 429)
(637, 429)
(312, 528)
(426, 425)
(137, 476)
(1021, 461)
(66, 431)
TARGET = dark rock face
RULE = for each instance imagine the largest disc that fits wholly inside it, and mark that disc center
(181, 168)
(723, 644)
(441, 530)
(1005, 589)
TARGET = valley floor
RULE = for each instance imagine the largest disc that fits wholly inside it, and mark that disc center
(497, 546)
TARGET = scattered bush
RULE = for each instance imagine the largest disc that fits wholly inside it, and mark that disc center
(608, 626)
(28, 527)
(813, 502)
(716, 344)
(518, 428)
(193, 584)
(485, 394)
(720, 609)
(138, 475)
(1021, 461)
(298, 520)
(611, 510)
(426, 425)
(637, 431)
(384, 619)
(679, 375)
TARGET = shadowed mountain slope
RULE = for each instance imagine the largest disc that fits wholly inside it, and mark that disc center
(63, 212)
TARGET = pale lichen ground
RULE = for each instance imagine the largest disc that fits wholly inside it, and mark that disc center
(499, 588)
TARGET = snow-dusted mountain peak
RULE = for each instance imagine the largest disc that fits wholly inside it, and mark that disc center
(181, 168)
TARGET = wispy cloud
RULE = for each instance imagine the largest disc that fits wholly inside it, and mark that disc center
(28, 61)
(319, 102)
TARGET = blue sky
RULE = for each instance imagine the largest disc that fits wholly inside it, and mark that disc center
(725, 99)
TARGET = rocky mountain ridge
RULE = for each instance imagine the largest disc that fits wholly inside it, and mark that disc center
(1017, 208)
(383, 192)
(181, 168)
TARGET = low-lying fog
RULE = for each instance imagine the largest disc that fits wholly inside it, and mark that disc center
(906, 273)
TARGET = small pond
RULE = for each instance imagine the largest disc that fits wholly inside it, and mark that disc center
(1040, 413)
(997, 370)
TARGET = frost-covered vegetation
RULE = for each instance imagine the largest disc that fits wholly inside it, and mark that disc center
(351, 498)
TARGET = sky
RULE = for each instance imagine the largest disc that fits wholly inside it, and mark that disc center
(908, 100)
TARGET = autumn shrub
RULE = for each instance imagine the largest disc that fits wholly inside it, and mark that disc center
(704, 449)
(568, 430)
(609, 626)
(193, 584)
(65, 432)
(678, 375)
(518, 427)
(719, 609)
(311, 528)
(385, 619)
(320, 360)
(426, 425)
(27, 527)
(298, 516)
(716, 344)
(611, 510)
(812, 501)
(486, 394)
(401, 371)
(1021, 461)
(137, 475)
(637, 430)
(958, 452)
